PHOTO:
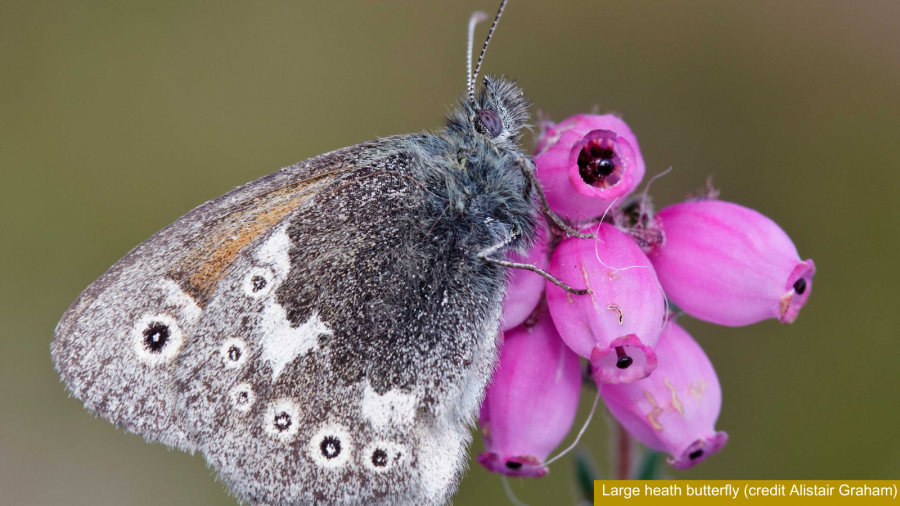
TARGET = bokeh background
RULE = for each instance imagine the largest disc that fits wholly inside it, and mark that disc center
(118, 117)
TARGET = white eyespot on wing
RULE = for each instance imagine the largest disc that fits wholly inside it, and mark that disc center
(281, 342)
(233, 353)
(177, 297)
(392, 408)
(331, 446)
(281, 419)
(382, 456)
(275, 252)
(157, 339)
(242, 397)
(259, 282)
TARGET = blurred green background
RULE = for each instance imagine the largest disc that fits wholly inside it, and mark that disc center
(118, 117)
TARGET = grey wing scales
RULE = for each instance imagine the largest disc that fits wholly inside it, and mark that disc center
(342, 356)
(116, 345)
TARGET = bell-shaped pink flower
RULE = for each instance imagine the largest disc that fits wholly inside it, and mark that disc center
(587, 161)
(618, 324)
(730, 265)
(530, 405)
(525, 288)
(674, 410)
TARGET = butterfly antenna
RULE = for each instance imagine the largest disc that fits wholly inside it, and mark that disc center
(477, 17)
(474, 75)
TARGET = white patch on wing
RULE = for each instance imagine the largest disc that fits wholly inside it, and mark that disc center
(177, 297)
(281, 342)
(392, 408)
(276, 252)
(440, 459)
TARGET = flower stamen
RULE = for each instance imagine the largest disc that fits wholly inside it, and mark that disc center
(623, 361)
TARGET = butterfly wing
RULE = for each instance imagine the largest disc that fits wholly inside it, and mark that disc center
(342, 356)
(116, 345)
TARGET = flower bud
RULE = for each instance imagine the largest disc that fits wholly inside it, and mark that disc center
(586, 162)
(675, 409)
(525, 288)
(530, 405)
(730, 265)
(617, 325)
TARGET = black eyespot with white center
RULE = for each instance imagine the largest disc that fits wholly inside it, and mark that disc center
(157, 338)
(259, 282)
(234, 353)
(331, 446)
(242, 397)
(490, 122)
(382, 456)
(379, 458)
(282, 419)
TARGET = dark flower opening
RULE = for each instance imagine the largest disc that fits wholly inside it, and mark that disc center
(598, 163)
(696, 454)
(513, 465)
(800, 286)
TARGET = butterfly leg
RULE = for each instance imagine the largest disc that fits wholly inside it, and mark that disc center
(531, 178)
(485, 256)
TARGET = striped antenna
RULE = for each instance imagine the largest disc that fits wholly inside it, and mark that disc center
(474, 75)
(477, 17)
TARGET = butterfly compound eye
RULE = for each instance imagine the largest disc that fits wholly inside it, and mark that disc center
(491, 121)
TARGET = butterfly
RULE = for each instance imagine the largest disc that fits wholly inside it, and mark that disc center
(324, 334)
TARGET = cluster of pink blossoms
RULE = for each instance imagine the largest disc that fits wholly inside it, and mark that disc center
(717, 261)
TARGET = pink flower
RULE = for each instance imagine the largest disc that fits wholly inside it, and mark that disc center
(531, 404)
(617, 325)
(586, 162)
(525, 288)
(675, 409)
(730, 265)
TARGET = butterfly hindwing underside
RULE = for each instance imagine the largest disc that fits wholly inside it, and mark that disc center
(322, 335)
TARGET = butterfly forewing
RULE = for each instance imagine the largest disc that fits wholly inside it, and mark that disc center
(116, 345)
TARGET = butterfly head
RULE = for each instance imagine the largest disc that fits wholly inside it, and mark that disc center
(497, 114)
(499, 110)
